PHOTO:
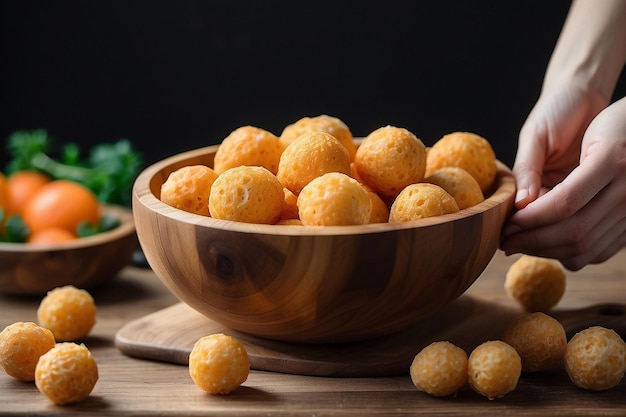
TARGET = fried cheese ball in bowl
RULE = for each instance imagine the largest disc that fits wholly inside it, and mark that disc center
(459, 184)
(539, 339)
(389, 159)
(322, 123)
(67, 373)
(537, 284)
(419, 201)
(465, 150)
(21, 345)
(188, 189)
(494, 368)
(440, 369)
(249, 194)
(248, 145)
(69, 312)
(595, 358)
(218, 364)
(334, 199)
(309, 156)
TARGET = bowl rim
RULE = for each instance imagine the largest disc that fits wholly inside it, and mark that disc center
(502, 190)
(125, 228)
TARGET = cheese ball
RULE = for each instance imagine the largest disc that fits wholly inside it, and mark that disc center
(21, 345)
(249, 194)
(67, 373)
(459, 184)
(188, 189)
(322, 123)
(537, 284)
(389, 159)
(418, 201)
(595, 358)
(465, 150)
(380, 211)
(248, 145)
(539, 339)
(218, 364)
(334, 199)
(494, 368)
(309, 156)
(290, 207)
(440, 369)
(69, 312)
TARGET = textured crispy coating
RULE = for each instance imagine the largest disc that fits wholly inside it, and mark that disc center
(21, 345)
(537, 284)
(69, 312)
(440, 369)
(248, 145)
(322, 123)
(494, 368)
(188, 188)
(421, 200)
(459, 184)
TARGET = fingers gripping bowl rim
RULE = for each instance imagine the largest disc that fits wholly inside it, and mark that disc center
(315, 284)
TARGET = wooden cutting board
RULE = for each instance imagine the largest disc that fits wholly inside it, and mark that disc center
(168, 335)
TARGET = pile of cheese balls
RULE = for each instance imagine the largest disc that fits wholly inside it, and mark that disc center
(47, 352)
(594, 358)
(314, 174)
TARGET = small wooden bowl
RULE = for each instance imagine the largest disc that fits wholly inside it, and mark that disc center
(315, 284)
(33, 270)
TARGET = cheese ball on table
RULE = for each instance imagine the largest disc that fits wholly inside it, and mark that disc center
(188, 189)
(334, 199)
(459, 184)
(440, 369)
(539, 339)
(322, 123)
(537, 284)
(218, 364)
(494, 368)
(595, 358)
(465, 150)
(248, 145)
(418, 201)
(69, 312)
(67, 373)
(21, 345)
(248, 194)
(310, 156)
(389, 159)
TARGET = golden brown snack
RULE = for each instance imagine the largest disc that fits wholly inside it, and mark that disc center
(69, 312)
(465, 150)
(290, 208)
(418, 201)
(248, 194)
(309, 156)
(188, 188)
(440, 369)
(248, 145)
(595, 358)
(21, 345)
(536, 283)
(67, 373)
(334, 199)
(380, 211)
(218, 364)
(321, 123)
(459, 184)
(389, 159)
(539, 339)
(494, 368)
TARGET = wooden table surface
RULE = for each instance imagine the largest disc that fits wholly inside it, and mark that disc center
(131, 386)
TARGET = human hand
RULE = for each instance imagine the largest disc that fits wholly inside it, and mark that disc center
(571, 180)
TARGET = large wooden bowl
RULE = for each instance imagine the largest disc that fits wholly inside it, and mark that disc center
(33, 270)
(314, 284)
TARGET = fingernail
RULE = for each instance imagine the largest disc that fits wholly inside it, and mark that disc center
(521, 195)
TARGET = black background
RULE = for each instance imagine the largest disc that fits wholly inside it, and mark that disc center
(175, 75)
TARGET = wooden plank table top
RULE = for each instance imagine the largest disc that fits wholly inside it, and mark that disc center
(139, 387)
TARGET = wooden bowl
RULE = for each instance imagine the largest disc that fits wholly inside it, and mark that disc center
(314, 284)
(33, 270)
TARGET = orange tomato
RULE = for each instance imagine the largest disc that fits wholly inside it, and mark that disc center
(51, 235)
(21, 185)
(4, 194)
(63, 204)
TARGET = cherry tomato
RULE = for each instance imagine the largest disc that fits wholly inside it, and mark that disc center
(51, 235)
(4, 193)
(63, 204)
(21, 186)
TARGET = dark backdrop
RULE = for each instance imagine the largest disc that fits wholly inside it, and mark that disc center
(174, 75)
